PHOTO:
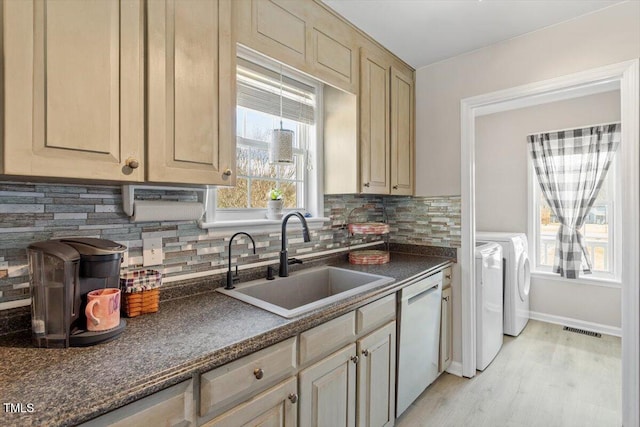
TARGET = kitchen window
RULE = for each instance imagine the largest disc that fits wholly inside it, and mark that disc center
(601, 231)
(270, 96)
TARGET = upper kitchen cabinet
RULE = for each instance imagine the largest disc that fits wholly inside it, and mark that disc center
(374, 122)
(303, 34)
(334, 50)
(386, 124)
(402, 132)
(191, 92)
(73, 89)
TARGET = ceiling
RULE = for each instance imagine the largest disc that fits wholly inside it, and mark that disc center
(422, 32)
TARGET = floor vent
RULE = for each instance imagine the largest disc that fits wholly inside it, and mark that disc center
(582, 331)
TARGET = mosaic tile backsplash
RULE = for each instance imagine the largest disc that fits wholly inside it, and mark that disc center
(34, 212)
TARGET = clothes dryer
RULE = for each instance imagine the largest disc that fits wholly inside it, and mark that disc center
(517, 277)
(489, 318)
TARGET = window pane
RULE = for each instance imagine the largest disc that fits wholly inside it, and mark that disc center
(260, 192)
(290, 194)
(258, 125)
(242, 160)
(289, 171)
(260, 166)
(234, 197)
(548, 229)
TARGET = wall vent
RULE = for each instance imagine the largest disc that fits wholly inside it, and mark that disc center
(582, 331)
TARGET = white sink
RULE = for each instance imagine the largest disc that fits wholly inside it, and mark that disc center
(305, 290)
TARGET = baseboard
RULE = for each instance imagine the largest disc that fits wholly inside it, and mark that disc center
(575, 323)
(455, 368)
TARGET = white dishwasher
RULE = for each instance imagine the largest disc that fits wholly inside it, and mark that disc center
(418, 345)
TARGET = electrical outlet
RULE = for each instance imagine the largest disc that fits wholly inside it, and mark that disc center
(152, 251)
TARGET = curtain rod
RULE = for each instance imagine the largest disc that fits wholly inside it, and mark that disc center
(574, 128)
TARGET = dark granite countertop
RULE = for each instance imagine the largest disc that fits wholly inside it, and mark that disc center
(187, 336)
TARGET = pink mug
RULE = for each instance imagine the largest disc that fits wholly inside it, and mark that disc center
(103, 309)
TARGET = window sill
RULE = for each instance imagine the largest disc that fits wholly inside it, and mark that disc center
(258, 225)
(605, 283)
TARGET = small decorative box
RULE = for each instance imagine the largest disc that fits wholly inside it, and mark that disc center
(140, 292)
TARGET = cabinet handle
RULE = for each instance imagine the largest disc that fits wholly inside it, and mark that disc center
(258, 373)
(227, 172)
(366, 184)
(355, 359)
(132, 163)
(293, 398)
(446, 299)
(365, 353)
(395, 187)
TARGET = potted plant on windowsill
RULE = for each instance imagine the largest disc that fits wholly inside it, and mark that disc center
(274, 204)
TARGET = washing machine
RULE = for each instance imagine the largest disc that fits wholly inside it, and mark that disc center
(489, 317)
(517, 277)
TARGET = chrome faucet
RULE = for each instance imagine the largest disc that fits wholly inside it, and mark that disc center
(284, 256)
(230, 277)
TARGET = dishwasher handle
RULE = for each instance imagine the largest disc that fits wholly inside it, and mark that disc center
(422, 294)
(431, 282)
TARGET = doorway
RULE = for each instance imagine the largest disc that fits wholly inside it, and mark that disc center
(626, 77)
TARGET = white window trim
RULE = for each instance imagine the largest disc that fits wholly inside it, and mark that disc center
(255, 220)
(613, 280)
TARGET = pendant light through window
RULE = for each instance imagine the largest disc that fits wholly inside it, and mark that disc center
(281, 149)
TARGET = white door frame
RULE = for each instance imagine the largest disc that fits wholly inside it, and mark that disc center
(627, 75)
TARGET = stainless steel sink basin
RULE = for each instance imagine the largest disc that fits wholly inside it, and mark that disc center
(305, 290)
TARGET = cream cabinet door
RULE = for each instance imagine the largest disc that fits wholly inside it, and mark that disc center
(402, 133)
(374, 122)
(446, 325)
(377, 377)
(73, 89)
(333, 51)
(276, 407)
(191, 92)
(328, 391)
(276, 28)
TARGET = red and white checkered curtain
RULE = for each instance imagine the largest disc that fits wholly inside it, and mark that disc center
(571, 166)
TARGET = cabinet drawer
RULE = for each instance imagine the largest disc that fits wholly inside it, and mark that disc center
(274, 407)
(227, 385)
(375, 314)
(324, 339)
(170, 407)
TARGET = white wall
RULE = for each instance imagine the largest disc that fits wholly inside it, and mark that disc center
(600, 38)
(501, 196)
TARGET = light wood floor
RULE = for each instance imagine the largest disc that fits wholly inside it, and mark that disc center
(545, 377)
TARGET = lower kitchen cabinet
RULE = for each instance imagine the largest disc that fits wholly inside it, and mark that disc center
(328, 390)
(276, 407)
(446, 323)
(377, 377)
(345, 377)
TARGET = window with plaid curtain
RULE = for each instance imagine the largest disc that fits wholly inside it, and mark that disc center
(571, 166)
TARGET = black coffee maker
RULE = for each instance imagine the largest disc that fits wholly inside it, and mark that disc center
(62, 272)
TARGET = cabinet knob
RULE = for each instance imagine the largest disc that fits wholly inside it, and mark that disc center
(448, 276)
(227, 172)
(293, 398)
(258, 373)
(365, 353)
(366, 184)
(446, 299)
(355, 359)
(395, 187)
(132, 163)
